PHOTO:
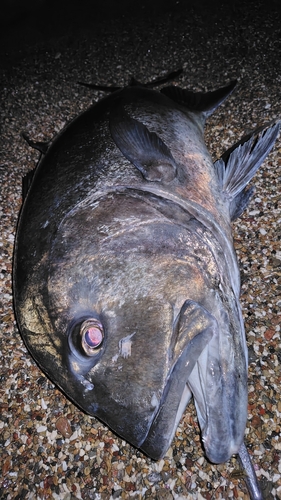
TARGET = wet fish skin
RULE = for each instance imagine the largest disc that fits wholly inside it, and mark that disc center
(133, 235)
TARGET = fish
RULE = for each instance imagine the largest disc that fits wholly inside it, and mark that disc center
(125, 278)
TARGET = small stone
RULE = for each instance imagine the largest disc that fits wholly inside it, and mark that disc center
(268, 334)
(154, 477)
(165, 475)
(6, 466)
(63, 426)
(164, 494)
(256, 421)
(128, 469)
(41, 428)
(117, 493)
(189, 463)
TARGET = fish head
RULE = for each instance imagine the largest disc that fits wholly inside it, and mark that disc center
(102, 320)
(125, 347)
(116, 315)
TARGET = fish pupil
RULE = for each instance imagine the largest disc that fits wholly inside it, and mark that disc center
(93, 337)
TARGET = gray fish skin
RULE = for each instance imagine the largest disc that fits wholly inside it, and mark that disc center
(125, 236)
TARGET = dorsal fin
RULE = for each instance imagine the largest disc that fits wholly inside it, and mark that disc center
(204, 102)
(164, 79)
(238, 165)
(133, 82)
(143, 148)
(40, 146)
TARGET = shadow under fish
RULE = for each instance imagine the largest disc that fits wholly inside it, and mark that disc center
(126, 283)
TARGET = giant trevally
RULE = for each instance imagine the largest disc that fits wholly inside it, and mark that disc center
(126, 283)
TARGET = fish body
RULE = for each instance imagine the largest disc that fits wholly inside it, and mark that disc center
(126, 283)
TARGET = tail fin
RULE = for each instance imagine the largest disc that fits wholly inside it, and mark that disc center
(238, 165)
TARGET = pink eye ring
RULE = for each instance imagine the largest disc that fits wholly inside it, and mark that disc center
(92, 336)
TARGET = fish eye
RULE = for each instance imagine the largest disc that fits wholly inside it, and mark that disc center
(92, 334)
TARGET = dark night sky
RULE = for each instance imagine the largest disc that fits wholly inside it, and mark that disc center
(33, 21)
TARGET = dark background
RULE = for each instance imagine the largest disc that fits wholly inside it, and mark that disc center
(25, 23)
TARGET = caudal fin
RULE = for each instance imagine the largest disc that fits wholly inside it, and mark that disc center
(238, 165)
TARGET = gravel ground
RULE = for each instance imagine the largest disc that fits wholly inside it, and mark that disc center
(49, 448)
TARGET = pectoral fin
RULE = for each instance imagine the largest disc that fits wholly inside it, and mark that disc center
(238, 165)
(192, 322)
(141, 147)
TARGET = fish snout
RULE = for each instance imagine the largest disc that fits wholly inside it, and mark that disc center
(220, 450)
(219, 387)
(223, 426)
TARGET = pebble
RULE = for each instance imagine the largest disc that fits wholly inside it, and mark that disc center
(256, 421)
(63, 426)
(49, 448)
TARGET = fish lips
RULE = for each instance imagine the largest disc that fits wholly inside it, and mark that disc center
(174, 399)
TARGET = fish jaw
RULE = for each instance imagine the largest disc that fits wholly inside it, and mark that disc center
(219, 386)
(196, 327)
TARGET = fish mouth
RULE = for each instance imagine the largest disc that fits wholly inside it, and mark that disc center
(219, 389)
(223, 436)
(164, 425)
(174, 399)
(218, 454)
(220, 397)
